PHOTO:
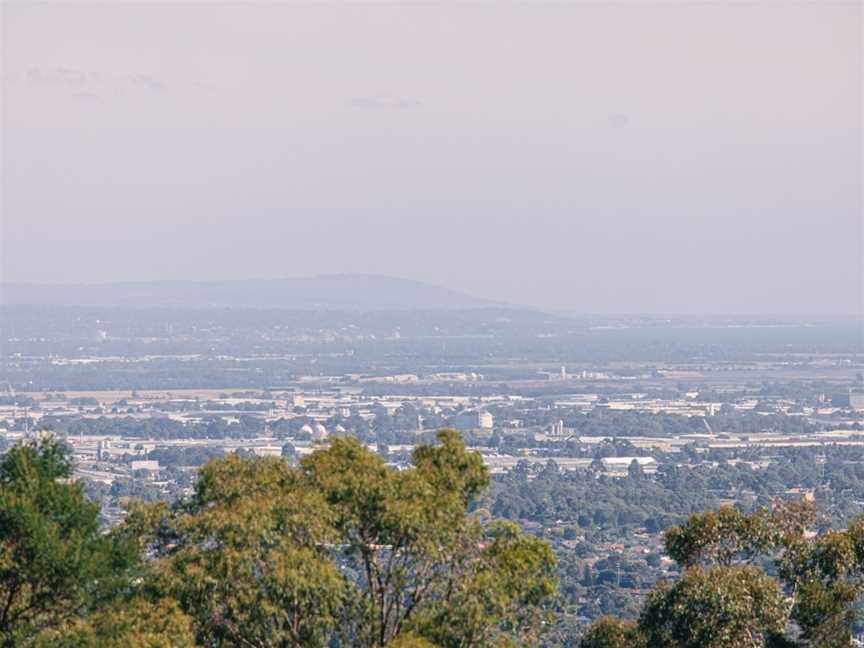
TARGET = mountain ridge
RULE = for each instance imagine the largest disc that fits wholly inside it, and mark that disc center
(321, 292)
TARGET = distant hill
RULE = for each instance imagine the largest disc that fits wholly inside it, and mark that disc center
(326, 292)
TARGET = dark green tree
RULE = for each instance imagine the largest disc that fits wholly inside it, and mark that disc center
(54, 561)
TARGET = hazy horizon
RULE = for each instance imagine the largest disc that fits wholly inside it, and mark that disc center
(635, 158)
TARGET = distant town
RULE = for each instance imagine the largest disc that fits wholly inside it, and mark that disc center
(115, 434)
(599, 432)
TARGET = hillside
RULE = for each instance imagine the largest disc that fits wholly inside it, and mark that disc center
(325, 292)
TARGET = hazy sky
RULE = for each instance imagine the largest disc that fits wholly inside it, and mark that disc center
(639, 157)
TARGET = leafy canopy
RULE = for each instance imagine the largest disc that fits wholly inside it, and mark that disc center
(754, 580)
(343, 549)
(54, 562)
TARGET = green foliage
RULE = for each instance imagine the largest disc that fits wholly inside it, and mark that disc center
(607, 632)
(406, 534)
(136, 623)
(409, 640)
(246, 558)
(501, 594)
(717, 608)
(725, 597)
(727, 535)
(343, 548)
(53, 559)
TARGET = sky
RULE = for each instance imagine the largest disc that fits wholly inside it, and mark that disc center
(637, 157)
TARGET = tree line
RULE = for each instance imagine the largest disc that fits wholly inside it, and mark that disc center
(338, 550)
(342, 550)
